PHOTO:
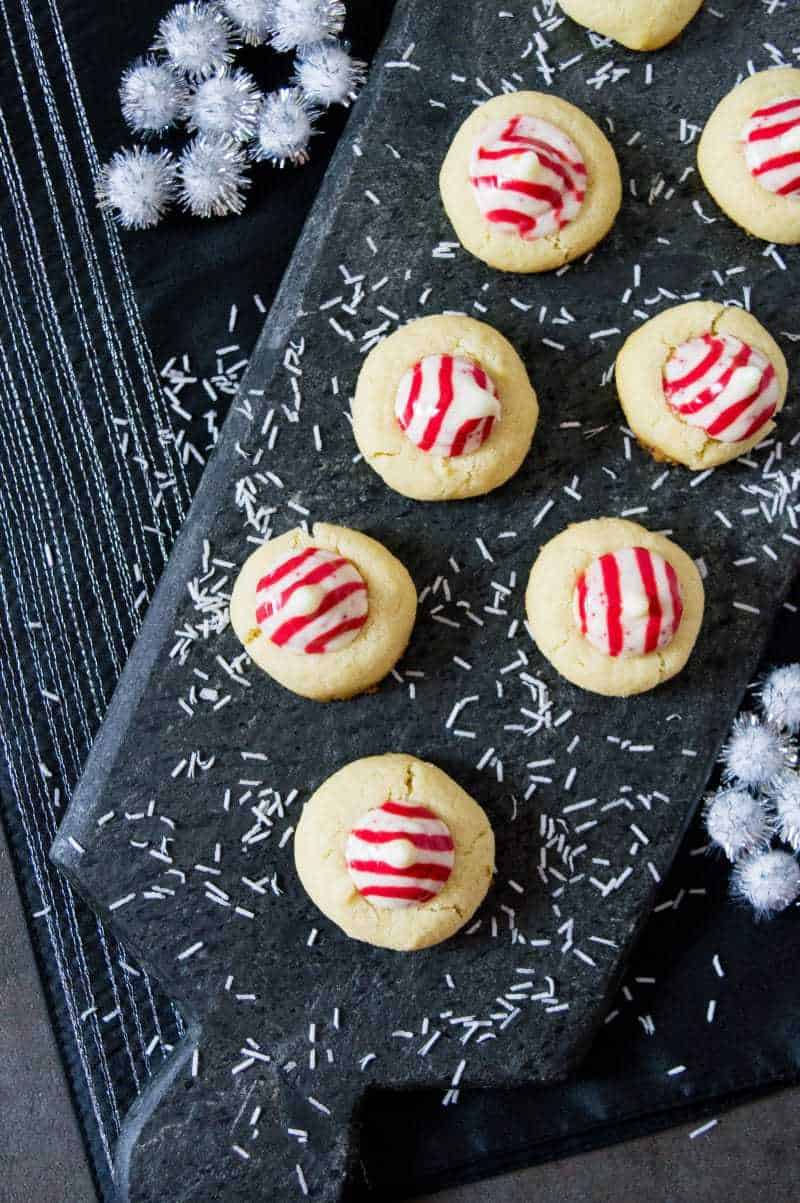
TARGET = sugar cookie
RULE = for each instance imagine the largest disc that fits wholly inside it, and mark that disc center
(328, 614)
(530, 182)
(394, 852)
(614, 607)
(700, 383)
(749, 155)
(637, 24)
(444, 409)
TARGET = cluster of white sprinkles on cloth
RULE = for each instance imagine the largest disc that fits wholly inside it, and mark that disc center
(521, 731)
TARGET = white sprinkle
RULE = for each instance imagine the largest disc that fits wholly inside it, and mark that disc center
(543, 512)
(712, 1123)
(190, 951)
(428, 1045)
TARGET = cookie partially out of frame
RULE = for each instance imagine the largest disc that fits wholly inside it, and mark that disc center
(749, 155)
(394, 852)
(637, 24)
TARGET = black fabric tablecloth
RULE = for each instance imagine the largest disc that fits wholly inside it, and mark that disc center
(97, 465)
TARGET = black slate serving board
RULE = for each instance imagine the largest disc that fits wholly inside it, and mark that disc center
(588, 797)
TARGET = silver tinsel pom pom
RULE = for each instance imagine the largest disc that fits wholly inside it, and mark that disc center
(737, 823)
(251, 18)
(780, 697)
(301, 22)
(152, 96)
(137, 186)
(785, 797)
(285, 127)
(328, 75)
(225, 105)
(213, 177)
(197, 38)
(769, 881)
(755, 752)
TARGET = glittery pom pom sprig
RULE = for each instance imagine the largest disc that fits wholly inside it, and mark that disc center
(758, 806)
(190, 80)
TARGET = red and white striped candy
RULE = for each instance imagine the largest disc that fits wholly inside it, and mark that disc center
(447, 405)
(772, 146)
(628, 602)
(312, 601)
(727, 388)
(528, 177)
(400, 854)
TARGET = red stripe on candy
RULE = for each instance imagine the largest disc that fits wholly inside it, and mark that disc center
(289, 566)
(716, 347)
(413, 396)
(610, 570)
(411, 893)
(777, 162)
(645, 565)
(740, 359)
(291, 627)
(429, 871)
(442, 405)
(320, 644)
(550, 196)
(782, 106)
(481, 379)
(513, 217)
(675, 594)
(767, 132)
(788, 189)
(462, 434)
(582, 602)
(758, 422)
(430, 843)
(314, 577)
(408, 812)
(729, 415)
